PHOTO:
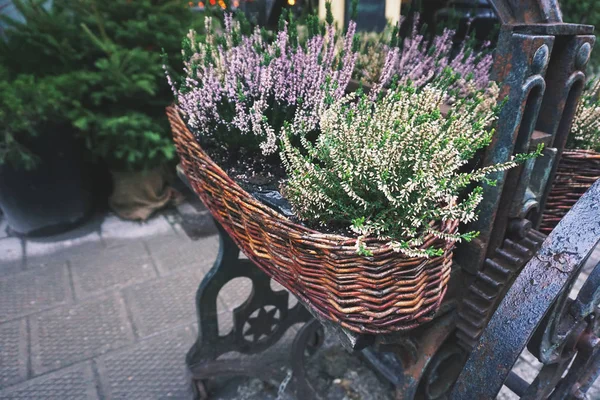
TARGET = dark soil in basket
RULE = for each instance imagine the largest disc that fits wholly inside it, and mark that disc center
(250, 172)
(262, 178)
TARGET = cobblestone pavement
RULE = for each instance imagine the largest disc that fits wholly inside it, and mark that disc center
(107, 312)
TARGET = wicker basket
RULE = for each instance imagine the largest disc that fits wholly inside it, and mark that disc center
(384, 293)
(577, 171)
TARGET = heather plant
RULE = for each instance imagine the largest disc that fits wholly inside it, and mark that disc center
(393, 168)
(585, 131)
(371, 55)
(420, 60)
(242, 85)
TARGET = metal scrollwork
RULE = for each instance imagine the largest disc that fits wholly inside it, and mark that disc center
(307, 342)
(569, 340)
(258, 323)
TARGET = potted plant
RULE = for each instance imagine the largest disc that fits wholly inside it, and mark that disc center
(117, 45)
(44, 180)
(122, 119)
(579, 166)
(376, 183)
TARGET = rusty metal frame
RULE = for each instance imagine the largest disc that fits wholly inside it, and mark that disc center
(536, 306)
(542, 67)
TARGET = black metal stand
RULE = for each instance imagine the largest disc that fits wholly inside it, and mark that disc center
(258, 324)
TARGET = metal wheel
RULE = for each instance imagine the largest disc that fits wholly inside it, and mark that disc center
(537, 312)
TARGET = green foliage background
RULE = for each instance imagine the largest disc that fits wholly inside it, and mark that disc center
(584, 12)
(107, 55)
(26, 103)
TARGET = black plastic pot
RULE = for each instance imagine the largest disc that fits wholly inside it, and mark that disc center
(54, 197)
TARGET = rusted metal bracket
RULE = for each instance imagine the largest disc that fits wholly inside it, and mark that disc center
(542, 69)
(415, 365)
(521, 62)
(527, 11)
(258, 324)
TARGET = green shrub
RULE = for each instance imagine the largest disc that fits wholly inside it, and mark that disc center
(117, 44)
(393, 168)
(28, 107)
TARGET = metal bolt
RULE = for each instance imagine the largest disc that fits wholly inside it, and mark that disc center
(519, 227)
(540, 59)
(530, 206)
(583, 55)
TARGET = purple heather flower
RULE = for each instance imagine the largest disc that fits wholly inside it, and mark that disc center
(254, 78)
(419, 60)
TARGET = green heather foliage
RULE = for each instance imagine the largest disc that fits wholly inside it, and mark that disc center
(112, 52)
(392, 168)
(585, 131)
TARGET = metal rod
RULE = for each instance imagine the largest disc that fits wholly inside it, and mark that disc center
(516, 384)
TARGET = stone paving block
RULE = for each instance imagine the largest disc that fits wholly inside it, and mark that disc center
(58, 248)
(235, 292)
(159, 304)
(75, 383)
(506, 394)
(172, 217)
(191, 200)
(187, 208)
(172, 252)
(10, 267)
(75, 241)
(114, 267)
(34, 290)
(115, 229)
(11, 249)
(13, 352)
(531, 359)
(12, 256)
(594, 392)
(80, 240)
(70, 334)
(3, 227)
(525, 370)
(152, 369)
(224, 319)
(593, 260)
(194, 224)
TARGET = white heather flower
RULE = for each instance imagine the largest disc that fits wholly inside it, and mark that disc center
(391, 168)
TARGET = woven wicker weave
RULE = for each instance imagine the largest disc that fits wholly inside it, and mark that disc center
(384, 293)
(577, 171)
